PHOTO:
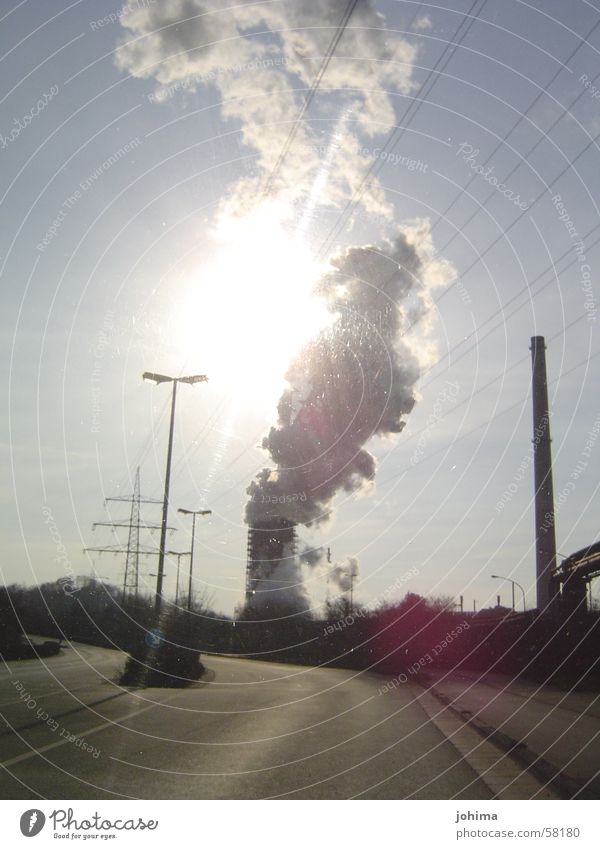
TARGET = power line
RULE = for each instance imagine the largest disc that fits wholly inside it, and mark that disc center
(397, 134)
(315, 85)
(501, 142)
(569, 165)
(378, 165)
(509, 133)
(311, 93)
(503, 307)
(449, 50)
(518, 218)
(549, 268)
(477, 392)
(348, 12)
(499, 376)
(415, 104)
(488, 421)
(505, 231)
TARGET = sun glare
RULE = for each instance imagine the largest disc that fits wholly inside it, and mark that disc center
(250, 307)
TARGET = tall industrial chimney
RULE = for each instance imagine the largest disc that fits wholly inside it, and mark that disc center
(545, 540)
(271, 555)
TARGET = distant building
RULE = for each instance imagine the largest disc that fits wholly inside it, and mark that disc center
(271, 558)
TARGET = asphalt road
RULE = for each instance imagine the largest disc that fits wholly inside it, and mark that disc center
(248, 730)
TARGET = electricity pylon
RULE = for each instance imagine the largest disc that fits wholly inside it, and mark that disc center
(133, 549)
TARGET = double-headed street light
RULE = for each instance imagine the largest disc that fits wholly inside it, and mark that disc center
(514, 583)
(193, 514)
(163, 378)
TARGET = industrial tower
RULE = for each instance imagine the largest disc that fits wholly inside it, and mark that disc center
(133, 550)
(545, 538)
(270, 542)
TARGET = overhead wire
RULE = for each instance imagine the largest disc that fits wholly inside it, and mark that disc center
(489, 383)
(511, 130)
(524, 290)
(467, 21)
(473, 430)
(516, 220)
(444, 58)
(348, 12)
(394, 137)
(465, 25)
(377, 166)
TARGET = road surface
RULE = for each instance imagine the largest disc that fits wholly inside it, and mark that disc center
(248, 730)
(559, 726)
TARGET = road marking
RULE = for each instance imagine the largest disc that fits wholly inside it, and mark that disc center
(39, 723)
(494, 767)
(90, 688)
(80, 735)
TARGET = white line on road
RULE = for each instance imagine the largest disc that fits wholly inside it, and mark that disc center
(81, 735)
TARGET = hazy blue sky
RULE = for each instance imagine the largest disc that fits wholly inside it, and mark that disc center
(121, 150)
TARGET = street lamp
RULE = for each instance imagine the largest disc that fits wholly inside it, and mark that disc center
(163, 378)
(178, 555)
(193, 514)
(502, 578)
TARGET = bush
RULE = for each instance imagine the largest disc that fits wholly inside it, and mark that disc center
(173, 662)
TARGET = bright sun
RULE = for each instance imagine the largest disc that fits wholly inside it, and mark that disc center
(250, 307)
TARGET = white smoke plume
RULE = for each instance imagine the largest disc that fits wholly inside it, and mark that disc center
(340, 574)
(356, 379)
(261, 58)
(343, 574)
(352, 382)
(278, 586)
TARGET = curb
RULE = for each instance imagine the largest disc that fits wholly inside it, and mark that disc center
(564, 785)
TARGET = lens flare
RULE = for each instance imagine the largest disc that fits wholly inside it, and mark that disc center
(250, 308)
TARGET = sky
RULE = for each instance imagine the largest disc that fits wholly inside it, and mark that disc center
(173, 188)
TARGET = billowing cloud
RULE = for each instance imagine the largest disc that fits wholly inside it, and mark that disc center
(352, 382)
(262, 58)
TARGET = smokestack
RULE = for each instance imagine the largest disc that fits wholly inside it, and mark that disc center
(545, 540)
(272, 572)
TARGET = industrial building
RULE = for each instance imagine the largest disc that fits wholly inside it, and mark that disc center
(271, 556)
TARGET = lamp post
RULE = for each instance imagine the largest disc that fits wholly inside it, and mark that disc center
(193, 514)
(163, 378)
(178, 555)
(514, 583)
